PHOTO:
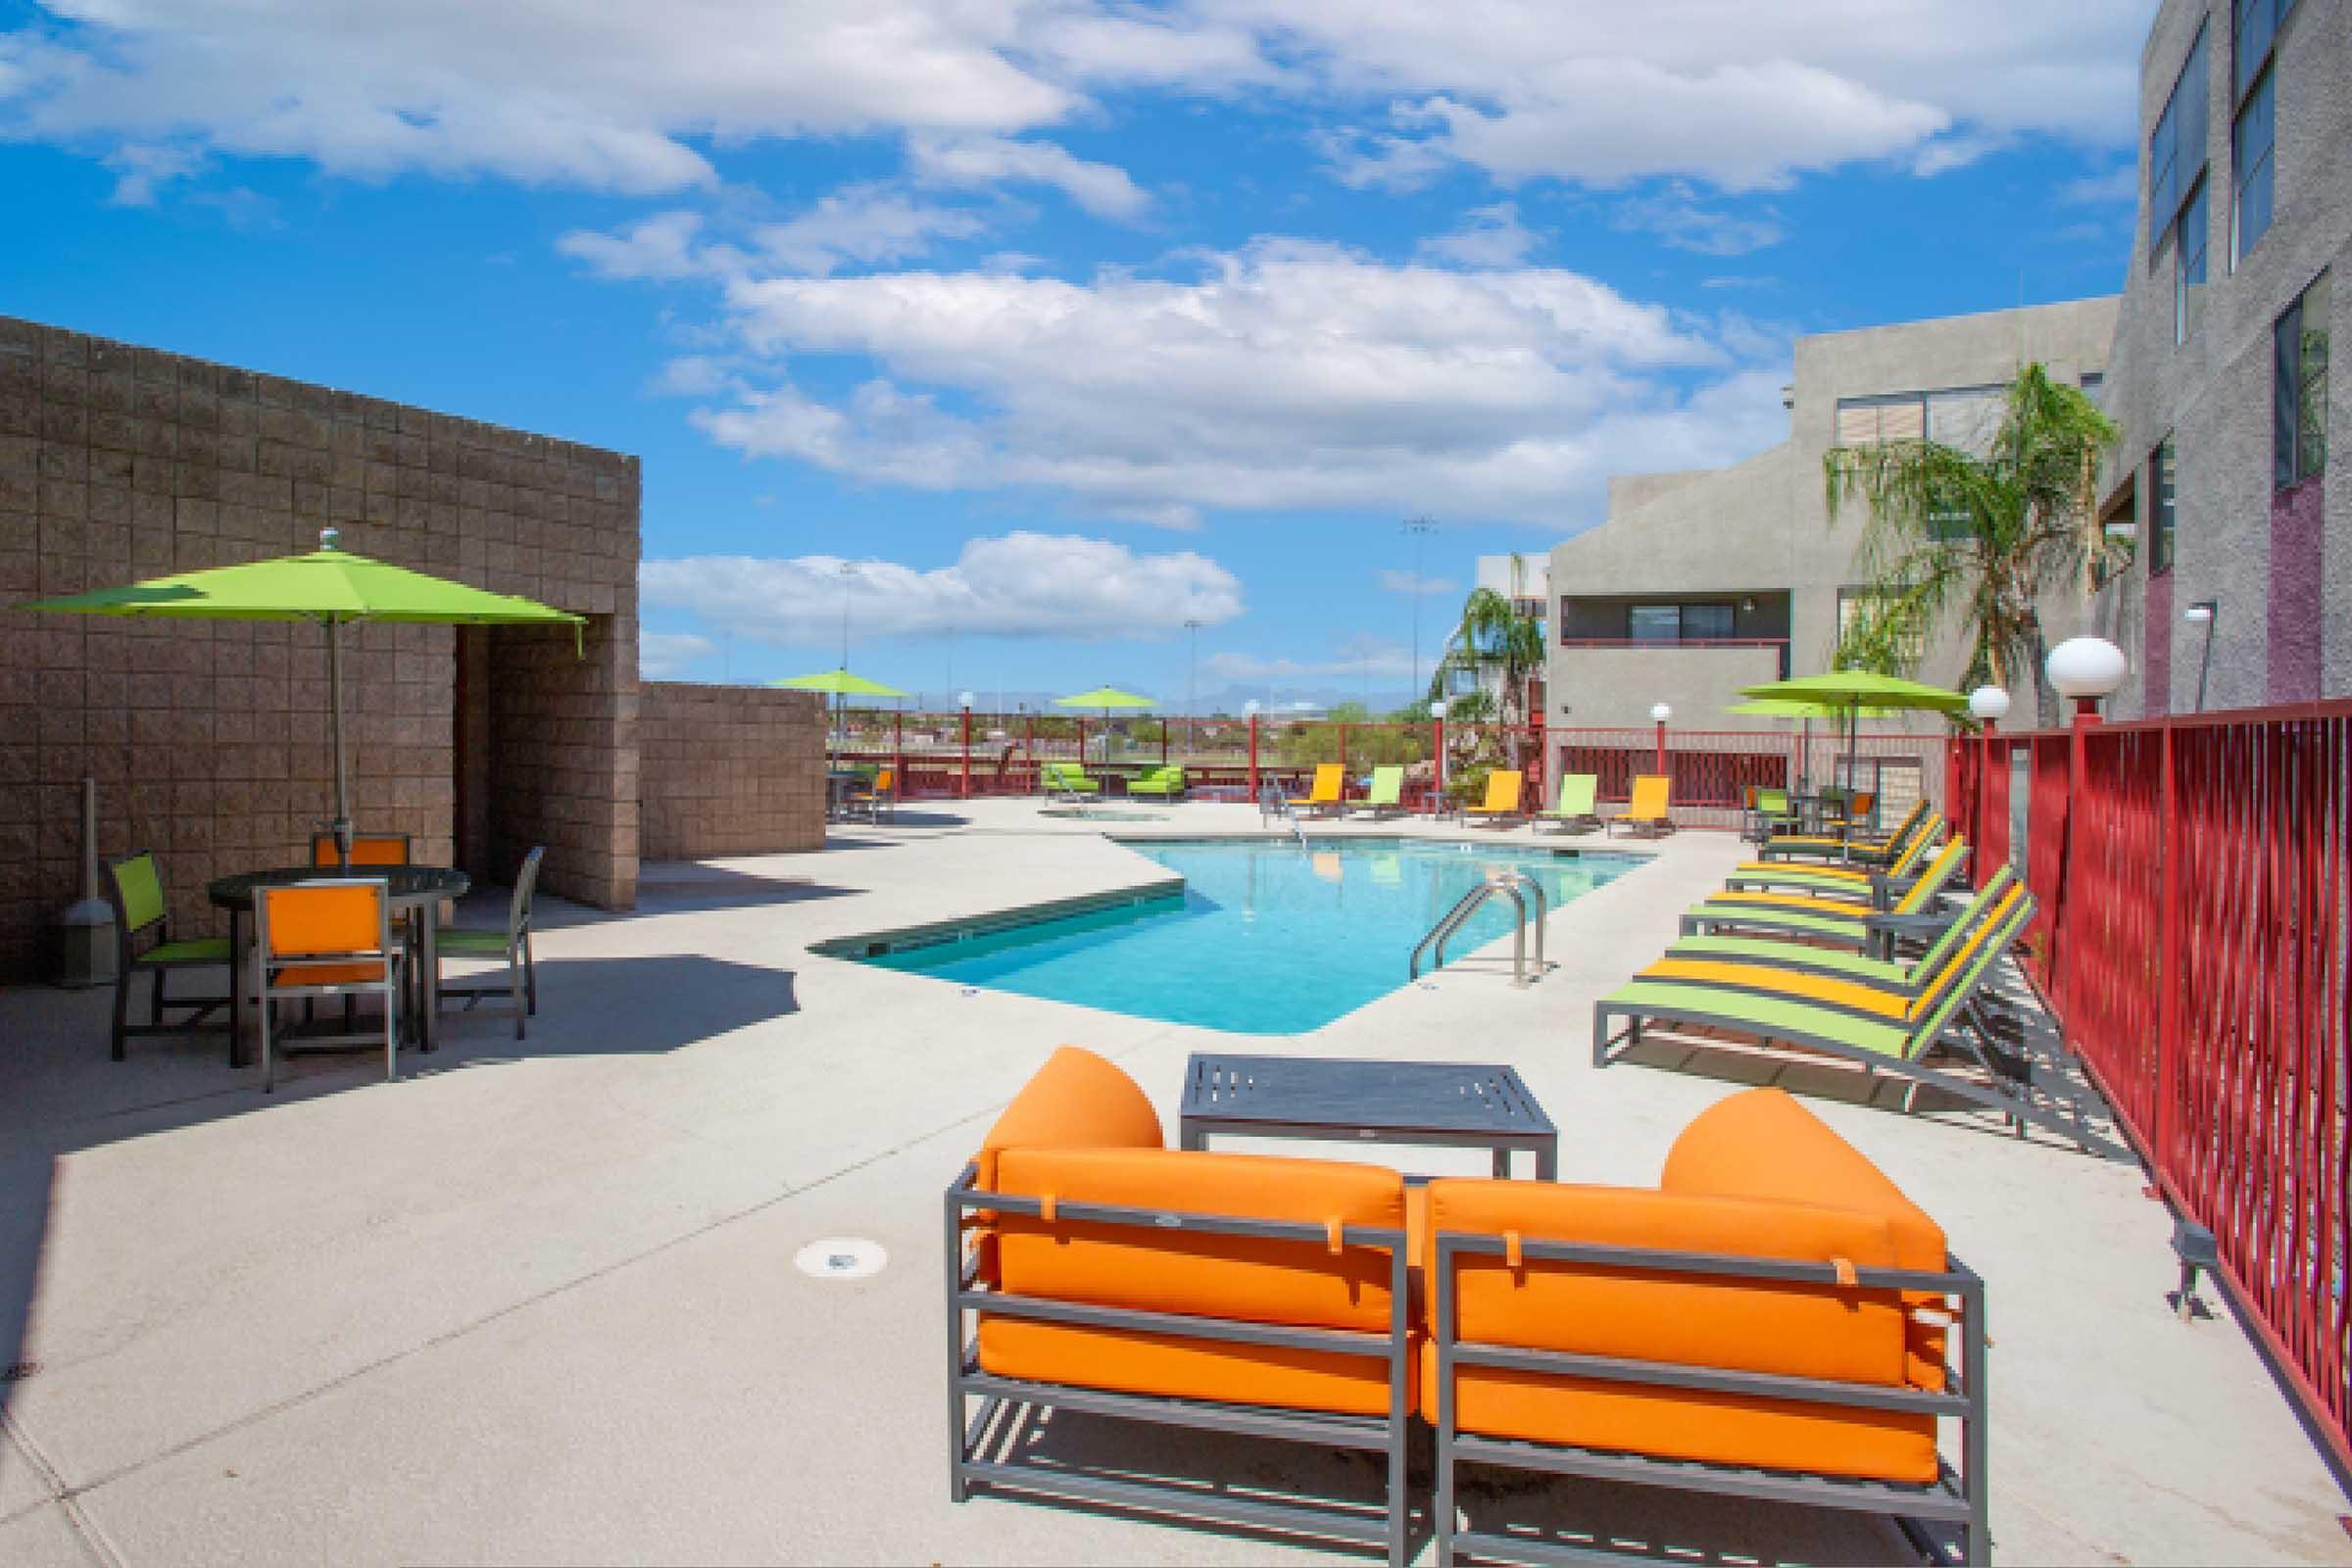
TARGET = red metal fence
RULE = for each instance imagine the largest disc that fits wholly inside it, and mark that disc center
(2196, 878)
(958, 754)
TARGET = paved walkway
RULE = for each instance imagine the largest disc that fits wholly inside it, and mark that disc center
(536, 1302)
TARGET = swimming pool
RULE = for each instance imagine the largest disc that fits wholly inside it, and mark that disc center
(1264, 938)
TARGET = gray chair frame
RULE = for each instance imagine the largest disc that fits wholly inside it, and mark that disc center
(1958, 1497)
(128, 962)
(523, 976)
(327, 841)
(969, 1435)
(267, 996)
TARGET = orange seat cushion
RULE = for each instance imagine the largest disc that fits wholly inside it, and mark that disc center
(1764, 1144)
(1076, 1101)
(1166, 1366)
(1820, 1331)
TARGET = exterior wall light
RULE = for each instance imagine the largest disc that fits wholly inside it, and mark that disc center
(2201, 613)
(2087, 668)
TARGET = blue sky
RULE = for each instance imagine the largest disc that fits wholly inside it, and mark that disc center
(1066, 322)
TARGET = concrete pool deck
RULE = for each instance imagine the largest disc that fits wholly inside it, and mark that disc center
(536, 1301)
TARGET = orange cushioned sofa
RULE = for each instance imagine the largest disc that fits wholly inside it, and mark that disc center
(1772, 1321)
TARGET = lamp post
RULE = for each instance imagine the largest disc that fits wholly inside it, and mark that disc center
(2204, 612)
(964, 789)
(1988, 706)
(1251, 709)
(1192, 691)
(2086, 669)
(1660, 715)
(1437, 720)
(1420, 529)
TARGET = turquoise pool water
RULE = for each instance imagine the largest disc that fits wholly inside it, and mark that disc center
(1264, 939)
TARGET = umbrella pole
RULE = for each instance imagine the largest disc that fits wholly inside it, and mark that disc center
(341, 826)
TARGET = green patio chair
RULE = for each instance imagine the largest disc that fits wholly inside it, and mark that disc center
(1067, 781)
(1768, 811)
(134, 886)
(513, 946)
(1845, 846)
(1579, 794)
(1809, 917)
(1733, 956)
(1164, 783)
(1897, 1046)
(1386, 797)
(1863, 883)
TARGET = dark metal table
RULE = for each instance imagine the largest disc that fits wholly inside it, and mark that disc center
(417, 890)
(1339, 1099)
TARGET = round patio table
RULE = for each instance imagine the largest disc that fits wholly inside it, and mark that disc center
(417, 890)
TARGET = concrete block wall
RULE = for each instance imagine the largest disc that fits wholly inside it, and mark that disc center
(731, 770)
(208, 740)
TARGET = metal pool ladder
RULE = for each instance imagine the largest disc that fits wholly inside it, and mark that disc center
(1507, 884)
(1272, 803)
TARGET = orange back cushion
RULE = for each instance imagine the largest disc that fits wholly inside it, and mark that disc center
(347, 918)
(1076, 1101)
(1800, 1330)
(1168, 1268)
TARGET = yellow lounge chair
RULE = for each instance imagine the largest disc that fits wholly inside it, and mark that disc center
(1645, 812)
(1503, 788)
(1325, 796)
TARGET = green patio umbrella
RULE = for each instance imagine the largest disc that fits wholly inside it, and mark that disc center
(1105, 698)
(1854, 693)
(840, 683)
(1805, 713)
(330, 586)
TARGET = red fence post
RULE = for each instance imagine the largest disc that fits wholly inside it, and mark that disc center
(963, 789)
(1437, 750)
(1029, 748)
(1661, 765)
(898, 749)
(2169, 929)
(1253, 756)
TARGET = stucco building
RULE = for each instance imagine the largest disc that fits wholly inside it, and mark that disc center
(1699, 583)
(2219, 375)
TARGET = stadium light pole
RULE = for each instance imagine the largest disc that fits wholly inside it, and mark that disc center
(1420, 529)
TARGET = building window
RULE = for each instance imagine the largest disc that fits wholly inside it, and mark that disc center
(2160, 508)
(2176, 149)
(1876, 421)
(2188, 274)
(1905, 644)
(2095, 385)
(2299, 388)
(1665, 625)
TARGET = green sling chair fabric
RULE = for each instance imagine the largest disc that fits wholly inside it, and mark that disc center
(1386, 793)
(1763, 915)
(1836, 881)
(1833, 846)
(1579, 794)
(1767, 952)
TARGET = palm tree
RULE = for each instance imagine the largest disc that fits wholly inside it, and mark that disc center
(1492, 637)
(1980, 535)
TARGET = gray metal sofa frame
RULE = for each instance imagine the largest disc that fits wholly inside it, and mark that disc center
(1956, 1497)
(969, 1435)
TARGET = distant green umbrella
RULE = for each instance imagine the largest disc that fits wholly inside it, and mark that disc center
(840, 683)
(1851, 694)
(1105, 698)
(330, 586)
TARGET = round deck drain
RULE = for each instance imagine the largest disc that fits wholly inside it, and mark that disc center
(840, 1257)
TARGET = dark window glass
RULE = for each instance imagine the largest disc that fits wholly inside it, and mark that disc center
(2160, 506)
(1706, 622)
(2176, 150)
(2255, 23)
(2250, 141)
(2188, 290)
(1654, 623)
(2299, 388)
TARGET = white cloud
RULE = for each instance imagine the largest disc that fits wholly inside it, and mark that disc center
(665, 654)
(867, 226)
(1360, 658)
(659, 248)
(1020, 584)
(1490, 236)
(141, 168)
(1102, 190)
(1404, 582)
(1676, 217)
(618, 95)
(1286, 376)
(2119, 186)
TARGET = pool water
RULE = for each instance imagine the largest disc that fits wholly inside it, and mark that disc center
(1265, 937)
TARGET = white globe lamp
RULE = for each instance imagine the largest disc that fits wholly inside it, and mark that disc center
(1988, 706)
(1661, 713)
(2087, 668)
(1436, 709)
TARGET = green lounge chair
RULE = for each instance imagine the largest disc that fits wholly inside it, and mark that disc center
(1736, 956)
(1851, 846)
(1579, 793)
(1858, 882)
(1067, 781)
(1386, 797)
(1809, 917)
(1768, 811)
(1165, 783)
(1898, 1047)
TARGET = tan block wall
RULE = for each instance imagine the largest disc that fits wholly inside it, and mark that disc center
(210, 740)
(730, 770)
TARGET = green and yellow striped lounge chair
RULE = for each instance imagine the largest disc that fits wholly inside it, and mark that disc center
(1165, 782)
(1884, 1031)
(1837, 880)
(1067, 781)
(1742, 959)
(1850, 847)
(1809, 917)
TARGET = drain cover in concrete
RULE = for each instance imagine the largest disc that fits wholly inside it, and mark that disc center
(840, 1257)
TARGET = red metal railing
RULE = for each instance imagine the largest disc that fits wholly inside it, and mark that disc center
(2197, 878)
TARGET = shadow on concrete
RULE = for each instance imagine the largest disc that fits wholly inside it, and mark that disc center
(919, 817)
(711, 887)
(61, 1095)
